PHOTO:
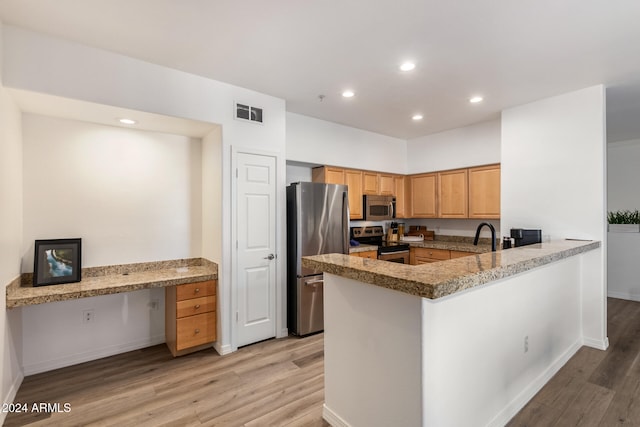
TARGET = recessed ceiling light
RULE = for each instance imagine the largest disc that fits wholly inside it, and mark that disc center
(127, 121)
(417, 117)
(348, 93)
(407, 66)
(475, 99)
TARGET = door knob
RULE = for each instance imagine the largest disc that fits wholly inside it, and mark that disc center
(270, 257)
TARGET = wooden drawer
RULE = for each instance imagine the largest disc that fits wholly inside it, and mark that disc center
(193, 306)
(460, 254)
(366, 254)
(195, 290)
(436, 254)
(195, 330)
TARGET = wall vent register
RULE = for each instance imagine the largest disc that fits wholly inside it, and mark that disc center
(249, 113)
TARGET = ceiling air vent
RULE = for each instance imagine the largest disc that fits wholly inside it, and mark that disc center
(247, 112)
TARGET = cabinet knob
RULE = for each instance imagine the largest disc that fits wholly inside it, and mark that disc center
(197, 331)
(197, 290)
(197, 306)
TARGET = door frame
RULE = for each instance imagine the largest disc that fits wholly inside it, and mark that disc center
(280, 249)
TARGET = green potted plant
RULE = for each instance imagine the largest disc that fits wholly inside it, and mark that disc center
(624, 221)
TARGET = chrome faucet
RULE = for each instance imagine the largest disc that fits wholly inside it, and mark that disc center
(493, 235)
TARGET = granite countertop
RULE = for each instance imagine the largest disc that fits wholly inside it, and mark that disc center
(444, 278)
(362, 248)
(452, 245)
(112, 279)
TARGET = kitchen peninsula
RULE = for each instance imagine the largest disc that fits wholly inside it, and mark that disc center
(461, 342)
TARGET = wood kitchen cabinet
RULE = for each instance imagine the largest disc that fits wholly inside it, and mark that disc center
(401, 192)
(461, 254)
(353, 179)
(190, 317)
(350, 177)
(453, 194)
(427, 255)
(386, 185)
(423, 195)
(484, 192)
(369, 183)
(366, 254)
(328, 175)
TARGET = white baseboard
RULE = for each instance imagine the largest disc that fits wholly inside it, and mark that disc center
(11, 394)
(597, 344)
(503, 417)
(623, 295)
(283, 333)
(332, 418)
(74, 359)
(223, 349)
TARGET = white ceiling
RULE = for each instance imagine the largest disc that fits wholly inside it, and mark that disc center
(511, 52)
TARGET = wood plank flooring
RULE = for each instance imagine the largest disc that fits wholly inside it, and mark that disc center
(595, 388)
(273, 383)
(280, 383)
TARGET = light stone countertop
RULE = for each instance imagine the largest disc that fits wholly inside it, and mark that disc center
(362, 248)
(112, 279)
(444, 278)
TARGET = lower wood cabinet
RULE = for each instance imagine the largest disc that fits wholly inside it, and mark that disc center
(190, 317)
(366, 254)
(428, 255)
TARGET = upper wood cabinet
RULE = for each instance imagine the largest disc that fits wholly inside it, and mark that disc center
(369, 183)
(484, 192)
(353, 179)
(386, 185)
(453, 194)
(401, 192)
(422, 200)
(328, 175)
(349, 177)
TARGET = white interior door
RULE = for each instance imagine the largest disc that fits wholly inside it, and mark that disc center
(256, 249)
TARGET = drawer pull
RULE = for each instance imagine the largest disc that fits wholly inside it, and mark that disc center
(197, 290)
(197, 306)
(197, 331)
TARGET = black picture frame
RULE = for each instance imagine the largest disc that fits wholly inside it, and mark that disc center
(57, 261)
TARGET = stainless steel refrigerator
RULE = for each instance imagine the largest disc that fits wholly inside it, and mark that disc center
(317, 223)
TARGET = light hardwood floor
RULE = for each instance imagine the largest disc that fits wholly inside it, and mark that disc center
(273, 383)
(280, 383)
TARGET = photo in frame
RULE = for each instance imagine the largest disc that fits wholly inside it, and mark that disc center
(57, 261)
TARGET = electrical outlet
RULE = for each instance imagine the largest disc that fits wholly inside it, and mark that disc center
(154, 304)
(526, 343)
(88, 316)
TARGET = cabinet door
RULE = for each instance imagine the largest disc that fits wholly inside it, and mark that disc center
(353, 179)
(386, 185)
(453, 194)
(328, 175)
(423, 195)
(369, 183)
(484, 192)
(400, 191)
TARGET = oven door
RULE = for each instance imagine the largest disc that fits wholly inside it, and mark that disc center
(401, 257)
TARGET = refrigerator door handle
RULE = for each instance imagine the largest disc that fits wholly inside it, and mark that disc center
(313, 282)
(345, 223)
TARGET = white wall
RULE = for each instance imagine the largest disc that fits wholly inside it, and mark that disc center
(10, 244)
(553, 177)
(475, 368)
(473, 145)
(132, 196)
(622, 265)
(324, 143)
(36, 62)
(623, 175)
(298, 174)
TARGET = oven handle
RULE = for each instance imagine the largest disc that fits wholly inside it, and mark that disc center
(394, 252)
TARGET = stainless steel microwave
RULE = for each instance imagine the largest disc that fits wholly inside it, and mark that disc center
(379, 208)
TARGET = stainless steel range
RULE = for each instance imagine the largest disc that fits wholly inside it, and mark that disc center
(387, 251)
